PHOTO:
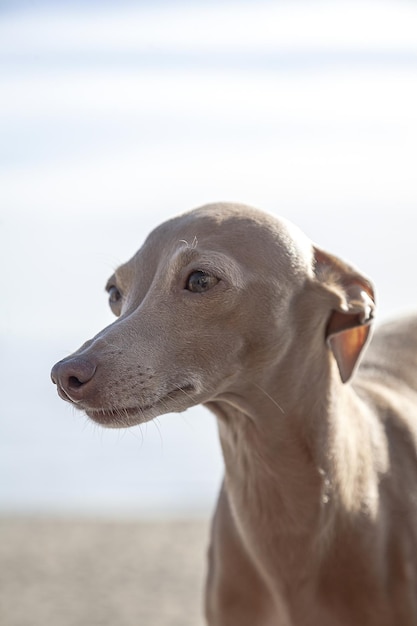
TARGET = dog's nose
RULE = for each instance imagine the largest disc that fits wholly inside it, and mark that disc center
(71, 377)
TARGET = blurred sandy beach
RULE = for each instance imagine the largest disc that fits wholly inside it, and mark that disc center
(79, 572)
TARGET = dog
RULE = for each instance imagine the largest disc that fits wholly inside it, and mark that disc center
(229, 307)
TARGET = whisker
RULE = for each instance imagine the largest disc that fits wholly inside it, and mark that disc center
(184, 391)
(142, 438)
(133, 432)
(268, 396)
(157, 426)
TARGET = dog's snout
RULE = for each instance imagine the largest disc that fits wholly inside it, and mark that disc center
(72, 375)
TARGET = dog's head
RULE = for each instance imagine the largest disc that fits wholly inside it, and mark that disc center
(205, 308)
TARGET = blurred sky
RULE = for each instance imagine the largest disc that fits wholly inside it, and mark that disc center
(114, 117)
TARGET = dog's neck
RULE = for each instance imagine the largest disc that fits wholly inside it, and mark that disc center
(289, 473)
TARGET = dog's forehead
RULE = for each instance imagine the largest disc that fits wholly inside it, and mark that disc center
(235, 228)
(246, 234)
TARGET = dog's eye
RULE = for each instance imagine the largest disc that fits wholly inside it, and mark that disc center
(114, 295)
(199, 281)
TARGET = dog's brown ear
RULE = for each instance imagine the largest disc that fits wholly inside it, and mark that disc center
(352, 310)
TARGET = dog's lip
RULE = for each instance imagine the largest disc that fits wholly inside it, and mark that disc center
(63, 394)
(104, 415)
(117, 412)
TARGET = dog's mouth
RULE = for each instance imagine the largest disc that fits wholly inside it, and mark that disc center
(121, 417)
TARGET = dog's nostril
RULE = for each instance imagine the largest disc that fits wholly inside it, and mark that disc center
(74, 382)
(71, 375)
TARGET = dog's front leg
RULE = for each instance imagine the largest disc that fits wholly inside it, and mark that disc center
(235, 592)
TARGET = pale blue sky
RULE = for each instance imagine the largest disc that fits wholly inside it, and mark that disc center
(111, 120)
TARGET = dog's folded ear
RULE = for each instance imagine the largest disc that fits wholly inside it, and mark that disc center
(352, 310)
